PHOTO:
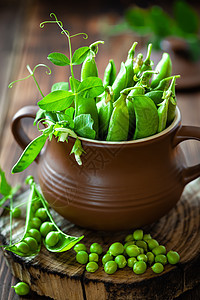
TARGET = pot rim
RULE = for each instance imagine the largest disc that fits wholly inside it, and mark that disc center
(173, 125)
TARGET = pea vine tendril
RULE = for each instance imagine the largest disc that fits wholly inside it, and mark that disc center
(32, 74)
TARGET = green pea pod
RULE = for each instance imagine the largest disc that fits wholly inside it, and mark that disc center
(170, 95)
(17, 248)
(162, 115)
(30, 153)
(164, 69)
(105, 108)
(164, 83)
(155, 95)
(109, 74)
(119, 122)
(89, 68)
(138, 90)
(88, 106)
(146, 117)
(129, 66)
(120, 82)
(147, 64)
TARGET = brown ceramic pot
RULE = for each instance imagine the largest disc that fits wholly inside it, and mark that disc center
(121, 185)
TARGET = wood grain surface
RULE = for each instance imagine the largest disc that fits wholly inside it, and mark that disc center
(22, 43)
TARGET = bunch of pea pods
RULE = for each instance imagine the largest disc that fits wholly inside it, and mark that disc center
(137, 102)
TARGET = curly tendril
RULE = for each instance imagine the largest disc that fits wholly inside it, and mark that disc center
(85, 36)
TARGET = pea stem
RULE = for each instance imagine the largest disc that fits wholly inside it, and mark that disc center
(37, 84)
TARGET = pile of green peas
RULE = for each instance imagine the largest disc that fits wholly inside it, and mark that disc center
(138, 252)
(38, 226)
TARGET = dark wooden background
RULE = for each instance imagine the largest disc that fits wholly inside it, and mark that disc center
(22, 42)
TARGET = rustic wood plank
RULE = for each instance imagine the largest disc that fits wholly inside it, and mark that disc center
(53, 274)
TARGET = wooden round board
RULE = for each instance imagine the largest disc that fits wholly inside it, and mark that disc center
(60, 277)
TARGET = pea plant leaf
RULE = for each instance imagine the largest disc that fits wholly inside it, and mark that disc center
(91, 87)
(80, 55)
(59, 59)
(60, 86)
(83, 126)
(56, 101)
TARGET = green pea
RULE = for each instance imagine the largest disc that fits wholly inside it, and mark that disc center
(52, 238)
(110, 267)
(46, 227)
(21, 288)
(116, 249)
(157, 268)
(80, 247)
(82, 257)
(36, 204)
(35, 223)
(31, 242)
(159, 250)
(93, 257)
(129, 238)
(138, 234)
(16, 212)
(142, 244)
(131, 261)
(129, 243)
(147, 237)
(152, 244)
(96, 248)
(35, 234)
(107, 257)
(92, 267)
(132, 250)
(150, 258)
(139, 267)
(173, 257)
(142, 257)
(23, 247)
(121, 261)
(41, 214)
(161, 258)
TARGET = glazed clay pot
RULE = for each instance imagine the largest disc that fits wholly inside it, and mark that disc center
(120, 185)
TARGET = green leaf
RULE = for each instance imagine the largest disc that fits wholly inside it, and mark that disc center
(186, 17)
(29, 154)
(60, 86)
(58, 59)
(91, 87)
(5, 187)
(80, 55)
(56, 101)
(83, 126)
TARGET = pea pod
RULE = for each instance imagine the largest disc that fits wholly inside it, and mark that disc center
(155, 95)
(146, 117)
(164, 69)
(109, 74)
(88, 106)
(105, 108)
(138, 63)
(138, 90)
(119, 121)
(129, 66)
(124, 78)
(147, 64)
(162, 115)
(89, 68)
(164, 83)
(171, 97)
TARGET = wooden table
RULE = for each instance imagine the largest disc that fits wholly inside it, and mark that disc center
(22, 43)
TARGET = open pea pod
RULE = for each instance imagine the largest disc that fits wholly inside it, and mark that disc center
(22, 248)
(66, 241)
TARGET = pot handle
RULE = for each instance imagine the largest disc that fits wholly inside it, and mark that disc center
(187, 133)
(16, 126)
